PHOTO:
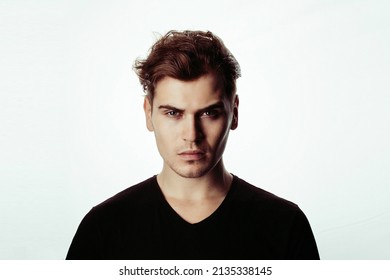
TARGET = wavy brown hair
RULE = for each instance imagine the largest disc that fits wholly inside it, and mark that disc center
(188, 55)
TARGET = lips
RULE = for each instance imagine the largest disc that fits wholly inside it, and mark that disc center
(192, 154)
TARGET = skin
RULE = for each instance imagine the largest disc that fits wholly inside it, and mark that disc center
(191, 121)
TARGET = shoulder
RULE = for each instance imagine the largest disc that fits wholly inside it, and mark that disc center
(255, 204)
(253, 196)
(133, 197)
(103, 227)
(288, 232)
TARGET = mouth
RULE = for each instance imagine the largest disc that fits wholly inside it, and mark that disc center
(192, 154)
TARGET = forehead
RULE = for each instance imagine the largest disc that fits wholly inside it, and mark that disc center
(197, 93)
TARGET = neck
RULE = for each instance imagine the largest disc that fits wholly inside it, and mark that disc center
(215, 183)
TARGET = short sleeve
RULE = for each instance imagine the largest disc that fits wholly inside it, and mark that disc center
(85, 243)
(302, 244)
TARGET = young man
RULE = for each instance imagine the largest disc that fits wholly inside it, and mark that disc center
(194, 208)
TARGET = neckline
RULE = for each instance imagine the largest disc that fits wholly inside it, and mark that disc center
(212, 216)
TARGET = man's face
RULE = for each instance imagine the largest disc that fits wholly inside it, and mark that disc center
(191, 121)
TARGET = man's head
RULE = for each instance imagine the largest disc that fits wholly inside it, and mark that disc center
(190, 104)
(187, 56)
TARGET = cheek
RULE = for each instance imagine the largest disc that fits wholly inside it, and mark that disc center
(218, 132)
(165, 135)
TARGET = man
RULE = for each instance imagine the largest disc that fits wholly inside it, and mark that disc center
(194, 208)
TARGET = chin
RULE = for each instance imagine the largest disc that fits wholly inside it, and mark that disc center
(191, 173)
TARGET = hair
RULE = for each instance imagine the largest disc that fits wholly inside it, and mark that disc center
(188, 55)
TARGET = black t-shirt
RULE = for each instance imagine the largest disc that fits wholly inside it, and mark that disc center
(138, 223)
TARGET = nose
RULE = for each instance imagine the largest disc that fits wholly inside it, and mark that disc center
(192, 130)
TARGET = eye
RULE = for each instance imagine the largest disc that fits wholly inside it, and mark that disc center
(211, 113)
(172, 114)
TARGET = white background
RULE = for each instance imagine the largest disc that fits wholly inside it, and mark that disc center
(314, 112)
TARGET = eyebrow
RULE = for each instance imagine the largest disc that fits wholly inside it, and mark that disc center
(169, 107)
(217, 105)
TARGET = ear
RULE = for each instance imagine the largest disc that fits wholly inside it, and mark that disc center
(148, 113)
(235, 113)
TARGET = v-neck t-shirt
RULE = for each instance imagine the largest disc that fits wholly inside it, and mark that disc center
(138, 223)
